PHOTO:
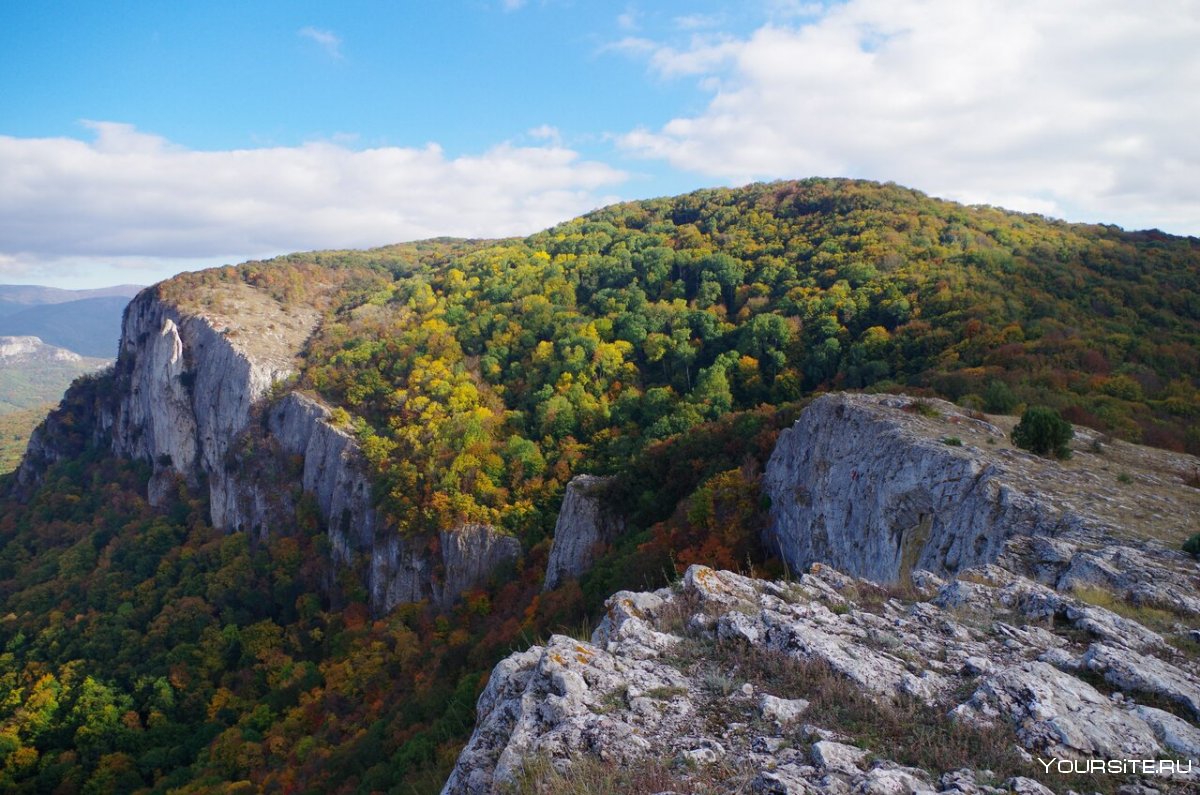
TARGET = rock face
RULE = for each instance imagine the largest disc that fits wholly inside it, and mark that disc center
(470, 555)
(189, 394)
(586, 522)
(662, 681)
(879, 485)
(849, 487)
(1003, 592)
(184, 393)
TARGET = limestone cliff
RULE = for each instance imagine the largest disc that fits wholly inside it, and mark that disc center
(730, 684)
(877, 485)
(995, 601)
(186, 383)
(189, 394)
(586, 522)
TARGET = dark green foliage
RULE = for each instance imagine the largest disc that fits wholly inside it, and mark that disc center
(1043, 431)
(1192, 546)
(999, 398)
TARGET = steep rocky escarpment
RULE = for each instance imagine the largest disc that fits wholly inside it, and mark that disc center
(996, 602)
(332, 471)
(586, 522)
(877, 485)
(186, 382)
(189, 395)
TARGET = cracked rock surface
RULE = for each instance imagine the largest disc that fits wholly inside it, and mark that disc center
(661, 682)
(957, 594)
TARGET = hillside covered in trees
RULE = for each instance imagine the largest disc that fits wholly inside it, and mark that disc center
(665, 342)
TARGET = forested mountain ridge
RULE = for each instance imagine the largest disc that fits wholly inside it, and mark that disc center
(639, 320)
(664, 342)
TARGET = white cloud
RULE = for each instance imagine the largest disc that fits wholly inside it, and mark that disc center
(699, 21)
(512, 5)
(631, 45)
(546, 132)
(327, 39)
(131, 198)
(704, 55)
(1082, 108)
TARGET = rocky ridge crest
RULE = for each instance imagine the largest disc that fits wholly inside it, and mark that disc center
(731, 683)
(192, 394)
(1002, 603)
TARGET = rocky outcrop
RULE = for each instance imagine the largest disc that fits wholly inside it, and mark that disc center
(664, 681)
(852, 485)
(471, 555)
(22, 350)
(184, 393)
(189, 395)
(879, 485)
(395, 569)
(586, 524)
(990, 594)
(404, 570)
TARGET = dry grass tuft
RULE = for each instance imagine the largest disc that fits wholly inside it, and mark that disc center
(588, 775)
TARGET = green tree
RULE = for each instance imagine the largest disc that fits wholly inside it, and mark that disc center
(1043, 431)
(998, 398)
(712, 392)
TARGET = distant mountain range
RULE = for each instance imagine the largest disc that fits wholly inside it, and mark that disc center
(33, 377)
(48, 338)
(87, 322)
(33, 373)
(33, 294)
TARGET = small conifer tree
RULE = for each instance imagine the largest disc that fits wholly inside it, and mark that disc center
(1043, 431)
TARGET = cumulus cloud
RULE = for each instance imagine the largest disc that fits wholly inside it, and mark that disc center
(129, 197)
(1081, 108)
(330, 42)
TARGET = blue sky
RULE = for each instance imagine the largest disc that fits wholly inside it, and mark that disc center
(141, 138)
